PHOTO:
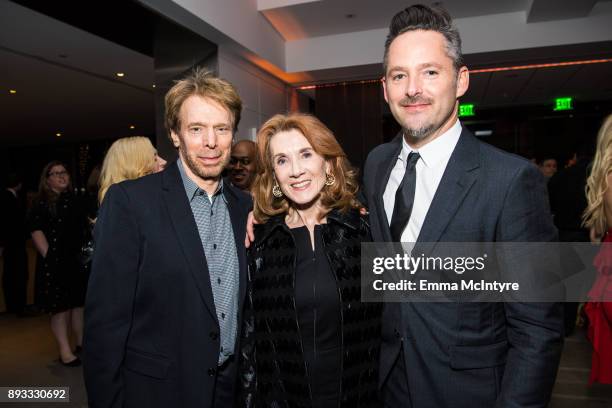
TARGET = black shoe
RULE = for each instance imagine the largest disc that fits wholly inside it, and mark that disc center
(78, 350)
(74, 363)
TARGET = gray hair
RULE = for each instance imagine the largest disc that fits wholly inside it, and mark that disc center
(421, 17)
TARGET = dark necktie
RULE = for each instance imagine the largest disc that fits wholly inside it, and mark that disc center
(404, 198)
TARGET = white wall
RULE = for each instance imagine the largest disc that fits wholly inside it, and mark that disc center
(241, 23)
(497, 32)
(241, 28)
(262, 95)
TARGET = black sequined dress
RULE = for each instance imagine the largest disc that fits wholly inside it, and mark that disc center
(60, 280)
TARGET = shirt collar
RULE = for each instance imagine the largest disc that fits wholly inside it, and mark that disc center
(192, 189)
(438, 150)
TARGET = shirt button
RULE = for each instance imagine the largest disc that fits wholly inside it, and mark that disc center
(223, 315)
(219, 281)
(215, 246)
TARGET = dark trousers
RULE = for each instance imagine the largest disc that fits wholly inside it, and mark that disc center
(15, 279)
(395, 392)
(225, 384)
(570, 311)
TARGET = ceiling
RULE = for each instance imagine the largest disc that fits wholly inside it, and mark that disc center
(299, 20)
(66, 82)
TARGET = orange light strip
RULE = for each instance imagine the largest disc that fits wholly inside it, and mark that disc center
(474, 71)
(369, 81)
(532, 66)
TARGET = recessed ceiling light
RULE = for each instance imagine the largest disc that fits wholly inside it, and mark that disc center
(58, 134)
(132, 127)
(12, 91)
(153, 85)
(120, 74)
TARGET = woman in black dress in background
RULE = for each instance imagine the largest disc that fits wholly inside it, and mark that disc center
(308, 341)
(57, 223)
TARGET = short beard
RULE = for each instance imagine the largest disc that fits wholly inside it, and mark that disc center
(423, 131)
(419, 133)
(214, 174)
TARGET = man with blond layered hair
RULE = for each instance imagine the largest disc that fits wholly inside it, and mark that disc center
(168, 274)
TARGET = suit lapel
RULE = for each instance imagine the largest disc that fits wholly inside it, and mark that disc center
(382, 178)
(186, 232)
(237, 212)
(459, 176)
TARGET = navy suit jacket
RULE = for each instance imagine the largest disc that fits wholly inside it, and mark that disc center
(472, 354)
(151, 329)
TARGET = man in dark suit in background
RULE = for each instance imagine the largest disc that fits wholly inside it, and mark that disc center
(169, 268)
(437, 183)
(567, 192)
(13, 246)
(242, 167)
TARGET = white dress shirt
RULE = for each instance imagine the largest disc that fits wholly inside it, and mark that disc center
(429, 170)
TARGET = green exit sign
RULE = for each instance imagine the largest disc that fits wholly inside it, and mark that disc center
(466, 109)
(562, 104)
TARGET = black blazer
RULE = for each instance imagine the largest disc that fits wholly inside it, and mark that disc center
(472, 354)
(151, 329)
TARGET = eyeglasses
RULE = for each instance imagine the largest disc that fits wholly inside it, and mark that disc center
(58, 173)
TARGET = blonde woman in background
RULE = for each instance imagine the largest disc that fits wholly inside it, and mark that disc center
(127, 159)
(598, 217)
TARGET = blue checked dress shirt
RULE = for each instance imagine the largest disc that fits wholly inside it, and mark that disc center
(217, 236)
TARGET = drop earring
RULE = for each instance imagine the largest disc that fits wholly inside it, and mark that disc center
(276, 191)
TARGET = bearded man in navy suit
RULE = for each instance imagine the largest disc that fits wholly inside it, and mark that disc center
(460, 190)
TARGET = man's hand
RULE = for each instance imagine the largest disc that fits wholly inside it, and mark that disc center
(250, 235)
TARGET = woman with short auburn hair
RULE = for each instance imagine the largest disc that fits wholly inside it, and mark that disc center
(308, 339)
(339, 195)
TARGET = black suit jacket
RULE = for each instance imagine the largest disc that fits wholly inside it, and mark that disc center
(472, 354)
(151, 329)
